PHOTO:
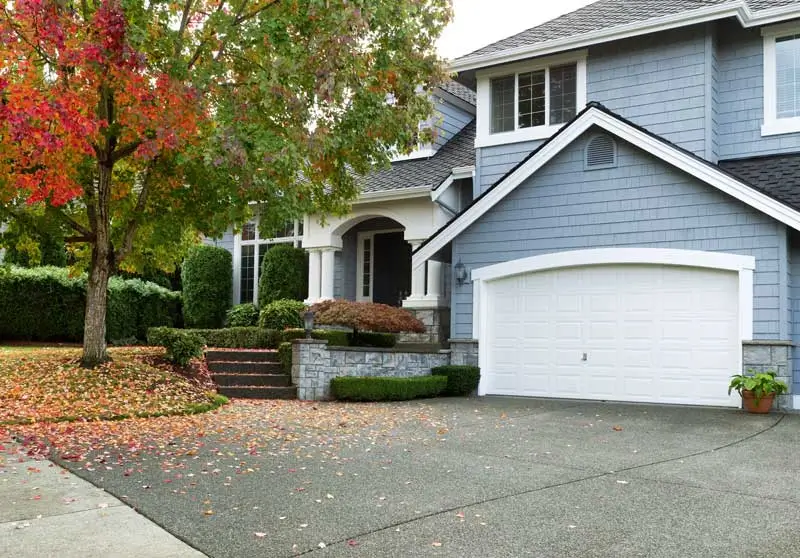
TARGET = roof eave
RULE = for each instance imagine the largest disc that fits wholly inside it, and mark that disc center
(738, 9)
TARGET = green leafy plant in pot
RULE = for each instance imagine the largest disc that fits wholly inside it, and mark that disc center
(757, 390)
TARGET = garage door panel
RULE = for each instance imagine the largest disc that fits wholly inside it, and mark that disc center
(649, 333)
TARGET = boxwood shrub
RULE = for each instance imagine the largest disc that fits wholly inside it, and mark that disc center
(282, 314)
(371, 339)
(48, 304)
(285, 357)
(334, 337)
(461, 380)
(242, 315)
(207, 277)
(357, 388)
(283, 275)
(236, 337)
(182, 345)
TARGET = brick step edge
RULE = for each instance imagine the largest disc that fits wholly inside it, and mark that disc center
(241, 355)
(267, 380)
(256, 392)
(241, 367)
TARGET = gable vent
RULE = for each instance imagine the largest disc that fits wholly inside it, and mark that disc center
(601, 152)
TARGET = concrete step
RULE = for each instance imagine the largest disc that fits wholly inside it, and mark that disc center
(242, 367)
(273, 380)
(258, 392)
(241, 355)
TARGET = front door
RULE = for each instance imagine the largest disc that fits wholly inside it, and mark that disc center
(391, 268)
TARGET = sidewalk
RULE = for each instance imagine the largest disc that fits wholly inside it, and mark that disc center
(46, 511)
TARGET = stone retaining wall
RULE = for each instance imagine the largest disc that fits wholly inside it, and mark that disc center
(314, 365)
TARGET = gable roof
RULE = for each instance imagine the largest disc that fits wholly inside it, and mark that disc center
(606, 20)
(775, 175)
(460, 91)
(429, 172)
(596, 114)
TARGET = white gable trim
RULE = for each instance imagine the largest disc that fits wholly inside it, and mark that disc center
(595, 117)
(734, 8)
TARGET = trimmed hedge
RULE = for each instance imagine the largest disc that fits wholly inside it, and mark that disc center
(334, 337)
(282, 314)
(207, 276)
(182, 345)
(372, 339)
(285, 357)
(283, 275)
(242, 315)
(357, 388)
(47, 304)
(461, 380)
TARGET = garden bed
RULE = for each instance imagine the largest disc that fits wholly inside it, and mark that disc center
(48, 385)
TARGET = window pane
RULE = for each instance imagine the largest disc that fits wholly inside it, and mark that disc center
(246, 282)
(563, 93)
(502, 104)
(531, 99)
(249, 231)
(365, 272)
(787, 66)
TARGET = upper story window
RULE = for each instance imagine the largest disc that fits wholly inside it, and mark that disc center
(529, 101)
(781, 80)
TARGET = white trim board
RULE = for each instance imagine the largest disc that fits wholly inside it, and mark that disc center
(594, 116)
(485, 276)
(734, 8)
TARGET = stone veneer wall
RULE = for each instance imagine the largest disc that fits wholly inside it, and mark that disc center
(464, 352)
(770, 356)
(437, 326)
(314, 364)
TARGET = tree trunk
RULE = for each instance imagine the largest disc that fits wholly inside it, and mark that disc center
(94, 329)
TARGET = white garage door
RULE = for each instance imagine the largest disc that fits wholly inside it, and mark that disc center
(643, 333)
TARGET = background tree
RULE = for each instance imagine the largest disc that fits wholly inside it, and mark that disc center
(141, 123)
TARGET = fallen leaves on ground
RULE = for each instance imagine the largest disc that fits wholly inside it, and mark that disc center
(47, 384)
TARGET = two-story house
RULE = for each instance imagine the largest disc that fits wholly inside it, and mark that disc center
(634, 229)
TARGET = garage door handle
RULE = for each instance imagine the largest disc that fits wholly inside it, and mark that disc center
(585, 357)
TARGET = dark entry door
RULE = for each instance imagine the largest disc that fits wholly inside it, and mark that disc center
(392, 269)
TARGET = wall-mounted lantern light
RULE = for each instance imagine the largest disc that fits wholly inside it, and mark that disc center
(460, 273)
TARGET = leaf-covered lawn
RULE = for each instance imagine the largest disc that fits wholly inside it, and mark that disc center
(47, 384)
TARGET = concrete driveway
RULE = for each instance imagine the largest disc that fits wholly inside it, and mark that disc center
(495, 477)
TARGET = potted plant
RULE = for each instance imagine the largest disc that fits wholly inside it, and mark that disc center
(757, 390)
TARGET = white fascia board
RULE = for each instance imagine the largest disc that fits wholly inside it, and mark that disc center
(391, 195)
(602, 256)
(463, 172)
(735, 8)
(437, 192)
(701, 170)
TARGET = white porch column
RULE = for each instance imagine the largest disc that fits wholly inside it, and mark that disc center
(314, 276)
(434, 280)
(327, 273)
(417, 280)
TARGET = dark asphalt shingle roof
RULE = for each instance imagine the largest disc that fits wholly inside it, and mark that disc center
(777, 176)
(607, 14)
(431, 171)
(458, 90)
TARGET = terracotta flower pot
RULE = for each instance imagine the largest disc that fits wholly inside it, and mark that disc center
(763, 406)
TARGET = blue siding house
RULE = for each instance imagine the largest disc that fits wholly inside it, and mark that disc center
(634, 229)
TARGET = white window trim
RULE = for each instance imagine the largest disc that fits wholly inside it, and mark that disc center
(772, 124)
(295, 240)
(482, 279)
(360, 262)
(485, 137)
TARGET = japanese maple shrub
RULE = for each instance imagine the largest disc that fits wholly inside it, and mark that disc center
(365, 316)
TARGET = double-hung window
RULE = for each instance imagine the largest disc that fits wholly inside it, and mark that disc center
(781, 80)
(250, 254)
(530, 101)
